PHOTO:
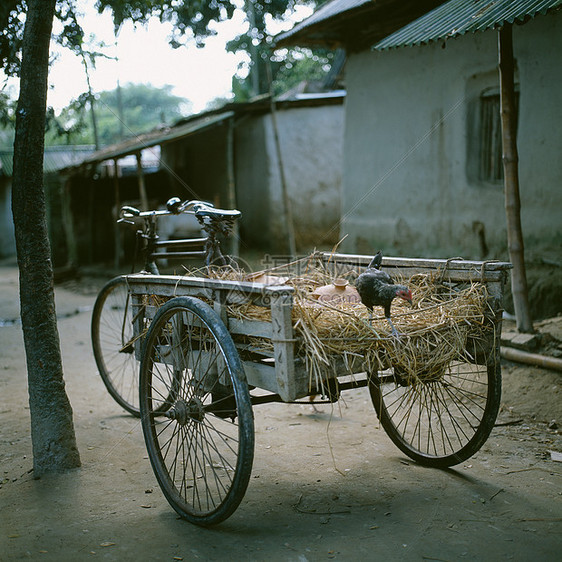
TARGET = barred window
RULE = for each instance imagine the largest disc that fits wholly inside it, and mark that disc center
(490, 161)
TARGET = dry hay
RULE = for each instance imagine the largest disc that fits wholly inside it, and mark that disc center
(339, 337)
(336, 339)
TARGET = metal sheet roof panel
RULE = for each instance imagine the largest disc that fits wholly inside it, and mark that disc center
(458, 17)
(146, 140)
(325, 12)
(354, 25)
(54, 158)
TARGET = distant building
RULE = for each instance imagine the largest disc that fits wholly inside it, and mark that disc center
(422, 169)
(55, 159)
(235, 156)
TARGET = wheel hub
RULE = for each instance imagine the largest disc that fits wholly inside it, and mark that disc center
(183, 411)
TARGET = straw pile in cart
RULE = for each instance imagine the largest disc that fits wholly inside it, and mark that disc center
(446, 323)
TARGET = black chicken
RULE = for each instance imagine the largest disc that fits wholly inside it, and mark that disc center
(376, 288)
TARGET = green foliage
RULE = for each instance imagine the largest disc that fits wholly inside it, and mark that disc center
(286, 71)
(7, 118)
(144, 107)
(267, 72)
(11, 34)
(12, 22)
(196, 19)
(7, 109)
(300, 65)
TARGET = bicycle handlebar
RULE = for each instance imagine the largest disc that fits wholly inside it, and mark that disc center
(175, 206)
(127, 211)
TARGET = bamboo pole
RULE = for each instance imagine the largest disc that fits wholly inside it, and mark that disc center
(511, 181)
(543, 361)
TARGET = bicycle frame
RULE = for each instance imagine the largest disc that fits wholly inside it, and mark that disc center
(151, 244)
(213, 221)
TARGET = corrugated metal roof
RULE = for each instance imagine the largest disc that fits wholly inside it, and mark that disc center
(154, 138)
(354, 25)
(64, 157)
(197, 123)
(458, 17)
(327, 11)
(55, 158)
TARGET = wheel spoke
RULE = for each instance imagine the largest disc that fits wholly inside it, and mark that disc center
(440, 421)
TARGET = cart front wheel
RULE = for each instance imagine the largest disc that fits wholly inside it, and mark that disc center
(440, 420)
(196, 411)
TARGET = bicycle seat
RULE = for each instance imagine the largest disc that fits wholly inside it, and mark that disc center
(202, 210)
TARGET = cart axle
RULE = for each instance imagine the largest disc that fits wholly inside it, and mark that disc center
(267, 399)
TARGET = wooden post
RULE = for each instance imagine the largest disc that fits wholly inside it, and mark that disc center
(68, 225)
(231, 188)
(120, 112)
(287, 212)
(511, 181)
(91, 100)
(289, 225)
(117, 208)
(91, 221)
(283, 344)
(142, 185)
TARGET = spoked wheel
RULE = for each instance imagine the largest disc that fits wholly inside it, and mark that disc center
(442, 419)
(114, 344)
(202, 446)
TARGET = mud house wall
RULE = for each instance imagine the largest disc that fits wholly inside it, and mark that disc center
(252, 182)
(409, 182)
(311, 140)
(538, 49)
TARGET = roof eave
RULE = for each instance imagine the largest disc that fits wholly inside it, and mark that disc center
(455, 18)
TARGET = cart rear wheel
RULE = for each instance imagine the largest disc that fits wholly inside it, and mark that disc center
(114, 345)
(443, 420)
(201, 447)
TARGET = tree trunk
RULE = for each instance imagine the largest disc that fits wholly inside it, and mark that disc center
(52, 429)
(511, 181)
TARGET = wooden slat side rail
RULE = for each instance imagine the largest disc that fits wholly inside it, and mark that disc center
(254, 328)
(426, 263)
(279, 378)
(453, 269)
(263, 376)
(173, 285)
(149, 285)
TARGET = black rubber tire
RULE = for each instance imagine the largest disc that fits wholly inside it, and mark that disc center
(115, 348)
(202, 447)
(440, 422)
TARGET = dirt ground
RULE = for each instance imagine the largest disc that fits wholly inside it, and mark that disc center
(324, 486)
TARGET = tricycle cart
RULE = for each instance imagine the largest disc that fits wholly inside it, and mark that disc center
(203, 368)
